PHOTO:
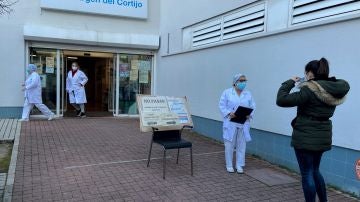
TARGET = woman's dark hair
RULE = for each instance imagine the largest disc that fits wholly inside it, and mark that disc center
(320, 68)
(75, 63)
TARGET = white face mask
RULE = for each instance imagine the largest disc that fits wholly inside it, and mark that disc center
(74, 67)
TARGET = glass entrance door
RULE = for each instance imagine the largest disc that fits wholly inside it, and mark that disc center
(117, 79)
(47, 62)
(134, 78)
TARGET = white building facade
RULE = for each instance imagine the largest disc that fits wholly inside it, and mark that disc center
(190, 48)
(114, 43)
(204, 43)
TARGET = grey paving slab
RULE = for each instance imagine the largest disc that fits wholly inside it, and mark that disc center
(104, 159)
(2, 183)
(8, 190)
(271, 177)
(2, 180)
(8, 129)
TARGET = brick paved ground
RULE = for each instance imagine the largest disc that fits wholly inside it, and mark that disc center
(92, 160)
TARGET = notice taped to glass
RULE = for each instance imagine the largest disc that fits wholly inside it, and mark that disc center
(163, 112)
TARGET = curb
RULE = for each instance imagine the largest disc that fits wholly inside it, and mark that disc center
(11, 173)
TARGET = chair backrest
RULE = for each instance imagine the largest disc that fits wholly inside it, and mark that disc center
(170, 135)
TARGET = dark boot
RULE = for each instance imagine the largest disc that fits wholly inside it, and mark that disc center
(82, 115)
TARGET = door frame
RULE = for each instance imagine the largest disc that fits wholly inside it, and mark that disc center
(60, 78)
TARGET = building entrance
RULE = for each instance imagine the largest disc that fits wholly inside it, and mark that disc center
(114, 80)
(98, 68)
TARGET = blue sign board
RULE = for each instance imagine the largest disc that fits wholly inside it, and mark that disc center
(121, 8)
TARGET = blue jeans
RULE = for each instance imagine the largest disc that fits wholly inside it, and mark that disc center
(311, 178)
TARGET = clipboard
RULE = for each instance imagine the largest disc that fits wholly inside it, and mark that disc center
(241, 113)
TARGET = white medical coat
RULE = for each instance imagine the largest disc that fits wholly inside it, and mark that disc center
(75, 86)
(33, 88)
(229, 102)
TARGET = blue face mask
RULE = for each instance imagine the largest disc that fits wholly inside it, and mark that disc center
(241, 85)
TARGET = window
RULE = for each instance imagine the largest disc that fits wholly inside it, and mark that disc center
(311, 10)
(209, 32)
(244, 21)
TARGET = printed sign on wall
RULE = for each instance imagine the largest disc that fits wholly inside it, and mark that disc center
(121, 8)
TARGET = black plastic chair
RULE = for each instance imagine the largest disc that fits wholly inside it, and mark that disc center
(170, 139)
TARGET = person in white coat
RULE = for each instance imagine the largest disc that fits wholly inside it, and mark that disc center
(32, 88)
(75, 86)
(236, 134)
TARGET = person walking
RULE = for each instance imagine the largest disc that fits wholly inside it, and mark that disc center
(32, 89)
(312, 128)
(236, 134)
(75, 86)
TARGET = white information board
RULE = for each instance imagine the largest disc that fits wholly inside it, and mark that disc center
(163, 112)
(121, 8)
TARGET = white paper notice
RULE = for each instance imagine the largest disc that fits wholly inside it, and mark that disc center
(134, 75)
(143, 76)
(50, 70)
(50, 61)
(135, 64)
(144, 65)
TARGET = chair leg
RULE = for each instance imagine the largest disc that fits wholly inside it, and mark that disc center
(148, 163)
(164, 164)
(191, 162)
(177, 158)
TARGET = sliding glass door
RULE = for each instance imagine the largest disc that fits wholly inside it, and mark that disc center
(123, 76)
(49, 67)
(134, 78)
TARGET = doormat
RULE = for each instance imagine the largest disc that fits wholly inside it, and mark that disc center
(270, 177)
(90, 114)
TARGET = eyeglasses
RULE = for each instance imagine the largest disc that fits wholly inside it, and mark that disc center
(242, 80)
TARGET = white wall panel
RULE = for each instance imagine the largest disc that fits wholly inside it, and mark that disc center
(203, 75)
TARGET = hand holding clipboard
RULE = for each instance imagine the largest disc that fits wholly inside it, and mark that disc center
(241, 114)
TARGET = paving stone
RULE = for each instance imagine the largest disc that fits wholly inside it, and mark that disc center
(271, 177)
(104, 159)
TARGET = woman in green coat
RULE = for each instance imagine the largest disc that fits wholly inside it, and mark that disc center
(312, 128)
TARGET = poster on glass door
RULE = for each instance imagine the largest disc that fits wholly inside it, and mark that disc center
(124, 70)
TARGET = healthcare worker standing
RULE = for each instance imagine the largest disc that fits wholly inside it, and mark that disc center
(75, 86)
(32, 88)
(236, 134)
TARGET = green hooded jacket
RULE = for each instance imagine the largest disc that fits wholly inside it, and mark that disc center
(316, 102)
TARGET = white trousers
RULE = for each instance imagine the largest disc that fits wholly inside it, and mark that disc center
(28, 107)
(240, 144)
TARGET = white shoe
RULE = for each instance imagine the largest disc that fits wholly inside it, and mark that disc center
(240, 170)
(22, 120)
(230, 170)
(51, 117)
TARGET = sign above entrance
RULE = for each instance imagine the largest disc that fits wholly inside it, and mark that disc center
(121, 8)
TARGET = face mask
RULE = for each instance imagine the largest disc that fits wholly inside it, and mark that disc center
(74, 68)
(241, 85)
